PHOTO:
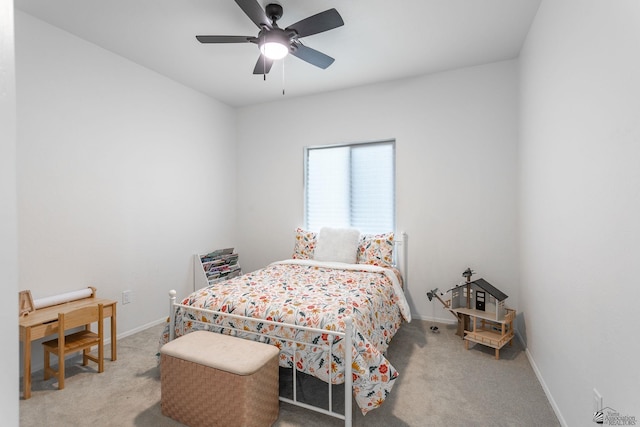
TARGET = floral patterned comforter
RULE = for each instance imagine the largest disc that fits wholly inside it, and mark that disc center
(317, 295)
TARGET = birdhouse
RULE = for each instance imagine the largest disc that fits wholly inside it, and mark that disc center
(482, 296)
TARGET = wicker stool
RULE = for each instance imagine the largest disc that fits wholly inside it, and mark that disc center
(210, 379)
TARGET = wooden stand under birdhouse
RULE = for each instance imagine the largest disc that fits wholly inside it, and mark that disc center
(489, 332)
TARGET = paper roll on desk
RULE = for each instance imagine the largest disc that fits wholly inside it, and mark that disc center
(62, 298)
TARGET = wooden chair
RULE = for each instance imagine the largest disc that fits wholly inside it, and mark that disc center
(72, 343)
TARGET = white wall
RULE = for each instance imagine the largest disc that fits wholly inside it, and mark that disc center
(456, 172)
(9, 407)
(580, 197)
(122, 175)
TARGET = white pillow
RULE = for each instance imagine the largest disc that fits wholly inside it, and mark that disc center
(337, 244)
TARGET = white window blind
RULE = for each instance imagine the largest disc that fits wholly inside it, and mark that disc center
(351, 186)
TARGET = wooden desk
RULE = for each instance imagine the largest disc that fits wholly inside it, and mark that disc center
(43, 322)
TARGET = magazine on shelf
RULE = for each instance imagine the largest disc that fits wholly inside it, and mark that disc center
(220, 265)
(217, 254)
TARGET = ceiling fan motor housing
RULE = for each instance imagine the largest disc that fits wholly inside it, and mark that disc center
(273, 11)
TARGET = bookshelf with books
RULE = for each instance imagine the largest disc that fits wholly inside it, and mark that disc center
(215, 266)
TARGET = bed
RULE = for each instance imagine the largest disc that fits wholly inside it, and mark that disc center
(313, 308)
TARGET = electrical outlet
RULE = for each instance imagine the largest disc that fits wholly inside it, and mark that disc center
(127, 297)
(597, 401)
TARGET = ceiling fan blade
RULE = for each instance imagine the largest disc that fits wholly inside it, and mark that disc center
(263, 66)
(255, 12)
(312, 56)
(318, 23)
(227, 39)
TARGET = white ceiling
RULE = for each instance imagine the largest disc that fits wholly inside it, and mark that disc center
(380, 41)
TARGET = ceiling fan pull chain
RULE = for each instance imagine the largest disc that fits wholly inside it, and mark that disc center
(283, 77)
(264, 68)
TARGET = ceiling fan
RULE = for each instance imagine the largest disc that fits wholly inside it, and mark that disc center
(274, 42)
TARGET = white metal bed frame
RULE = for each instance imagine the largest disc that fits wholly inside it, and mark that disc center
(400, 252)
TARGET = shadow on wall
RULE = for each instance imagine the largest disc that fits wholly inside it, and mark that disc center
(521, 329)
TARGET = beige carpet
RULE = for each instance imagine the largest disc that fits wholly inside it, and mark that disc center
(440, 384)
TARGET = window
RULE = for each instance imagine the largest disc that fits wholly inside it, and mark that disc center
(351, 186)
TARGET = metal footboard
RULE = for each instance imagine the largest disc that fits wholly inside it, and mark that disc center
(293, 342)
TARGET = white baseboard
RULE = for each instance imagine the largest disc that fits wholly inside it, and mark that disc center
(140, 328)
(435, 319)
(547, 392)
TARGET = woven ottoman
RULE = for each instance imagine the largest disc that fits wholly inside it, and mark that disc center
(209, 379)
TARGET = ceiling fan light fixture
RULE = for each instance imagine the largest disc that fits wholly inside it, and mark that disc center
(274, 45)
(274, 50)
